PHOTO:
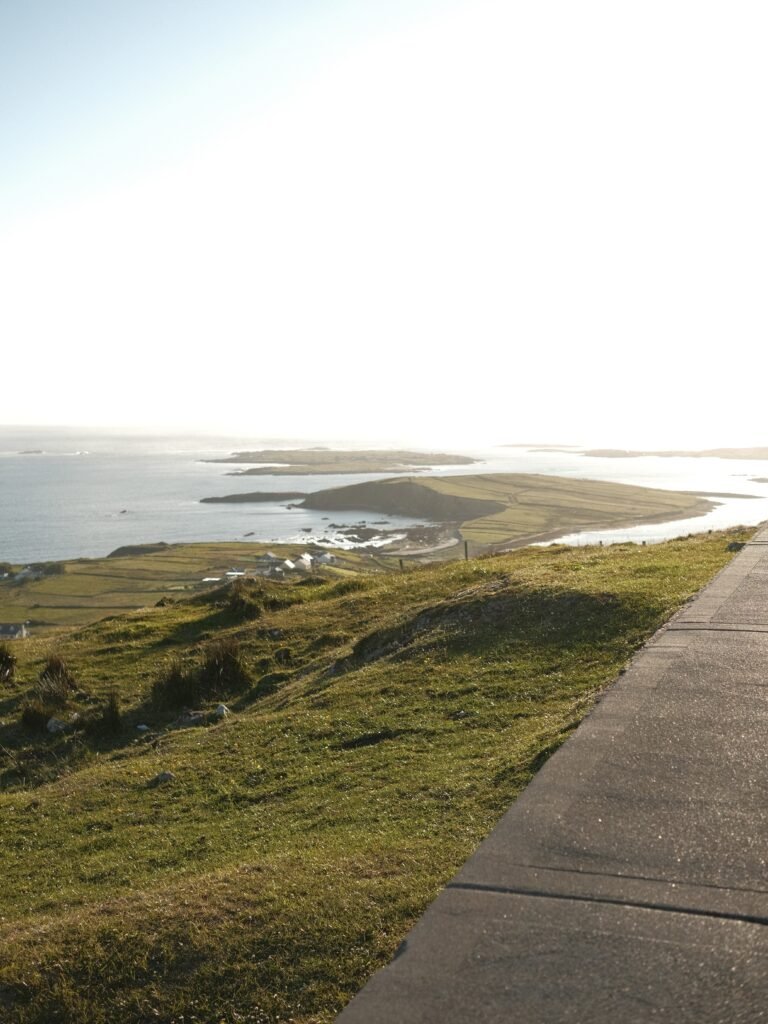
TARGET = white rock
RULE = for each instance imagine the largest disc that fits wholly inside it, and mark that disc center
(56, 725)
(222, 711)
(142, 728)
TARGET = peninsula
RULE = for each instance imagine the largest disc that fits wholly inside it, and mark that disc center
(497, 510)
(500, 510)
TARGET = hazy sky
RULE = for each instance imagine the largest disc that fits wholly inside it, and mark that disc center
(450, 221)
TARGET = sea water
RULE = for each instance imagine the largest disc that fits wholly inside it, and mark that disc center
(88, 493)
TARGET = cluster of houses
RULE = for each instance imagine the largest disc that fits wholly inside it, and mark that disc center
(270, 564)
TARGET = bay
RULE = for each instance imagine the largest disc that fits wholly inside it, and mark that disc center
(90, 492)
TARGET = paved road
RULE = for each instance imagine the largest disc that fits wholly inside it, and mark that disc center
(629, 882)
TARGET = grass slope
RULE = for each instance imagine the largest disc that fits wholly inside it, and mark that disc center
(506, 508)
(390, 721)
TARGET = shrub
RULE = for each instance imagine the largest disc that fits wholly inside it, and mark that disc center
(176, 687)
(111, 721)
(56, 683)
(245, 600)
(348, 586)
(7, 664)
(56, 668)
(223, 669)
(35, 715)
(49, 568)
(106, 720)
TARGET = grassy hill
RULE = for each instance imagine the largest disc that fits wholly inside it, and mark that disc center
(514, 508)
(379, 727)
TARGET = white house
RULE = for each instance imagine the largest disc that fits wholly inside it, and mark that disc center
(13, 631)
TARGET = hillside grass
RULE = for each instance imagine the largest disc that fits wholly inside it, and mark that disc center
(387, 723)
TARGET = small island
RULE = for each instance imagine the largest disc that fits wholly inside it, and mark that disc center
(254, 496)
(314, 461)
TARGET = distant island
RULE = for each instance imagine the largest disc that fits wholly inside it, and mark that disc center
(254, 496)
(312, 461)
(707, 453)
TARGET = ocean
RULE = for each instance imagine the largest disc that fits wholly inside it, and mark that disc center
(72, 494)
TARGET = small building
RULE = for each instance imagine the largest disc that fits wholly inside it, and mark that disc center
(289, 565)
(304, 563)
(13, 631)
(268, 560)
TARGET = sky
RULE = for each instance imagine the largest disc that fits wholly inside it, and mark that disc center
(450, 222)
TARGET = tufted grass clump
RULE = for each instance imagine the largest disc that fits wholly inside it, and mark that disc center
(245, 600)
(220, 672)
(223, 670)
(55, 684)
(7, 664)
(109, 722)
(175, 687)
(36, 714)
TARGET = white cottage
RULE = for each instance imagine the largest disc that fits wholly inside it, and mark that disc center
(13, 631)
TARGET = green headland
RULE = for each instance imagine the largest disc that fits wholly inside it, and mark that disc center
(499, 510)
(506, 509)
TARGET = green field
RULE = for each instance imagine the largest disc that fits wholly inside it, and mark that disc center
(380, 726)
(504, 509)
(90, 588)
